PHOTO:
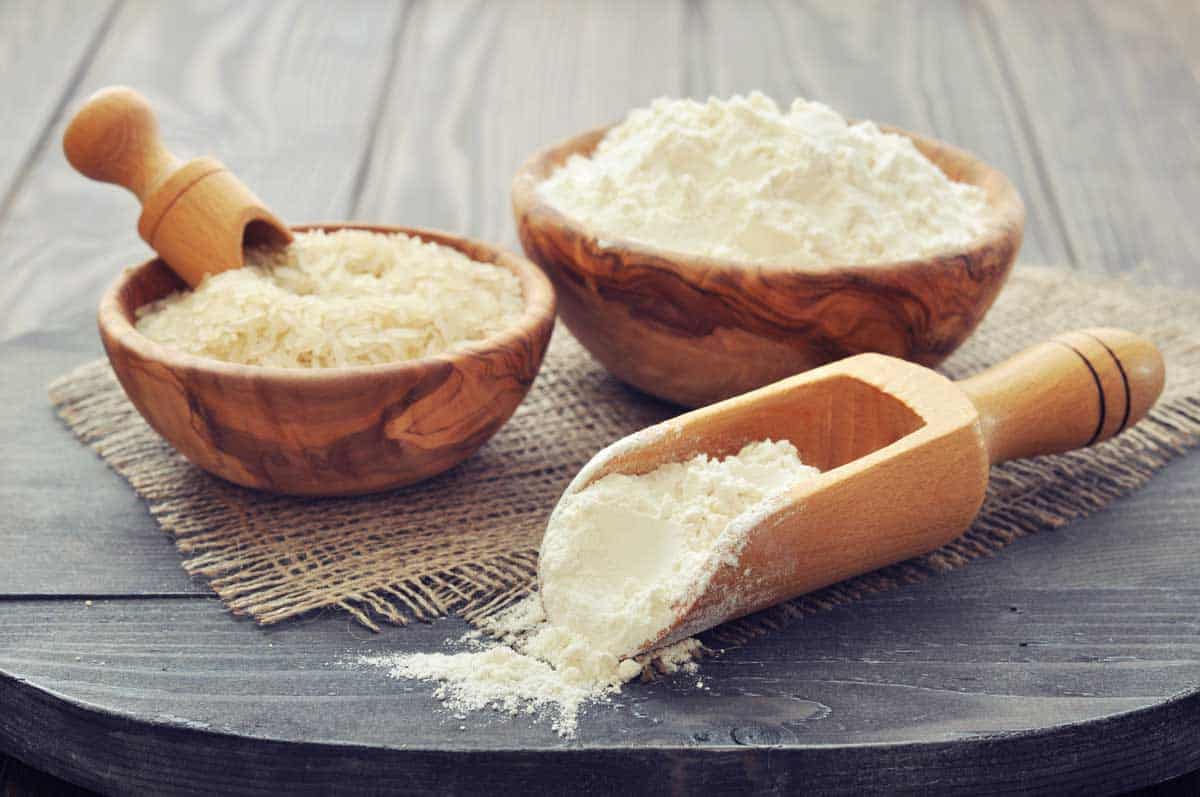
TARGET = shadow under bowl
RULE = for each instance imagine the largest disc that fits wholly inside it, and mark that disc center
(329, 431)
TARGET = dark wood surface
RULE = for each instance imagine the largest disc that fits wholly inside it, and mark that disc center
(418, 113)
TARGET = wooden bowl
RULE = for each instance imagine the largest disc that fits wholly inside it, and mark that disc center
(331, 431)
(694, 330)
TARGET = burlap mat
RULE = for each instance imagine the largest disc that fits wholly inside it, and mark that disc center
(466, 541)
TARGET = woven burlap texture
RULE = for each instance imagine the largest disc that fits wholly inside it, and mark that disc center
(466, 541)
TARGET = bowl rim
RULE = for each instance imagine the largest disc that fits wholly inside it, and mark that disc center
(1005, 222)
(538, 311)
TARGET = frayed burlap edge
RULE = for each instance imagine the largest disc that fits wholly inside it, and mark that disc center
(267, 575)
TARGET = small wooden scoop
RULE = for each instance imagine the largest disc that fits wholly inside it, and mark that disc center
(196, 215)
(904, 454)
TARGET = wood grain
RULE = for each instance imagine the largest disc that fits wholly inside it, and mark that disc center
(279, 90)
(329, 431)
(847, 677)
(19, 780)
(921, 66)
(695, 330)
(50, 41)
(945, 660)
(265, 86)
(882, 430)
(1116, 126)
(1077, 390)
(1080, 623)
(197, 215)
(48, 551)
(495, 81)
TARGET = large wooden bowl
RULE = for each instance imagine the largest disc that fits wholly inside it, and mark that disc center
(694, 330)
(332, 431)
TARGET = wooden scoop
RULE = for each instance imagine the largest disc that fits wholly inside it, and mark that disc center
(197, 215)
(904, 454)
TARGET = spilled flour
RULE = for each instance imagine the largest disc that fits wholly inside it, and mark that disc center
(530, 667)
(619, 558)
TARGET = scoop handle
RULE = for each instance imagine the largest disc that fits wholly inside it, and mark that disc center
(114, 138)
(197, 215)
(1074, 390)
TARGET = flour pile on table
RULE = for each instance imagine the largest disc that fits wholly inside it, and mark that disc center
(535, 668)
(742, 180)
(621, 556)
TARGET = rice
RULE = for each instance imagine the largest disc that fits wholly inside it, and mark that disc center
(344, 298)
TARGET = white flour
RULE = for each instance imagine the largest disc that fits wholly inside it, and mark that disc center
(619, 555)
(535, 669)
(616, 559)
(739, 179)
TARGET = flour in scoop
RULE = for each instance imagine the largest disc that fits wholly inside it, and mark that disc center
(618, 558)
(741, 179)
(620, 555)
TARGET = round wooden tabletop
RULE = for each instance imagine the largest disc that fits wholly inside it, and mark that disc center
(1069, 662)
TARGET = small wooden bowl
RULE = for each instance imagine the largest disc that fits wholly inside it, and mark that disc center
(694, 330)
(331, 431)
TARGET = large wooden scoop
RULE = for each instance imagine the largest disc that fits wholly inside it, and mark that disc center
(904, 454)
(197, 215)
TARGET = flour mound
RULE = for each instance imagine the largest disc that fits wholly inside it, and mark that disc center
(499, 678)
(535, 669)
(739, 179)
(617, 559)
(621, 556)
(344, 298)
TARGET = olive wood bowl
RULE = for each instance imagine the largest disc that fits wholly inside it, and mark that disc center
(694, 330)
(329, 431)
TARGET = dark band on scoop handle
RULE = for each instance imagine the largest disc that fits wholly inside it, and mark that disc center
(1124, 382)
(1076, 390)
(1099, 390)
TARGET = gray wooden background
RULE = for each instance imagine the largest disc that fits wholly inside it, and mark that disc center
(420, 112)
(417, 113)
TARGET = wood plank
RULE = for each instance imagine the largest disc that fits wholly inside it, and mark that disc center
(313, 77)
(1113, 104)
(19, 780)
(282, 92)
(1104, 615)
(49, 483)
(885, 61)
(493, 82)
(954, 671)
(44, 46)
(1183, 24)
(1130, 544)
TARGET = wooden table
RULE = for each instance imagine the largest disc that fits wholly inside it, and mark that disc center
(119, 673)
